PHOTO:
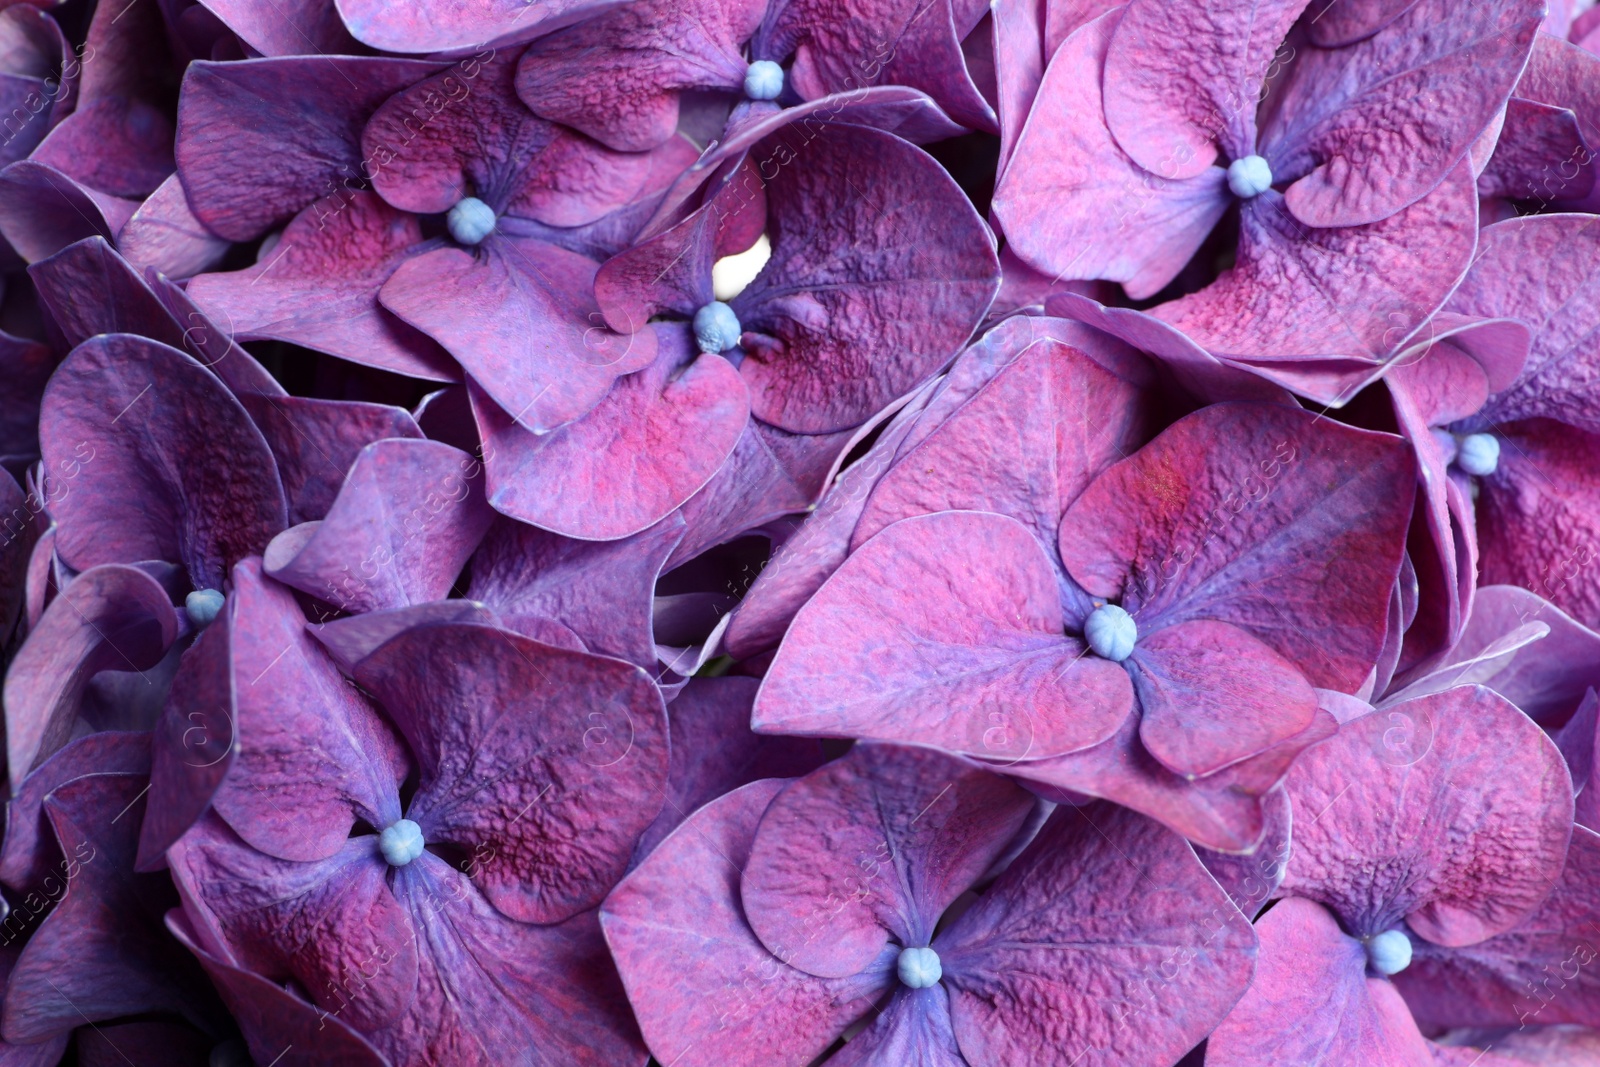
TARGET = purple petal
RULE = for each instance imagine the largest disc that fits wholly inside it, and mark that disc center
(292, 28)
(110, 618)
(279, 1027)
(1449, 811)
(407, 518)
(913, 1028)
(617, 76)
(262, 139)
(703, 986)
(448, 25)
(1535, 973)
(547, 764)
(165, 235)
(1379, 124)
(1252, 879)
(656, 438)
(715, 752)
(102, 952)
(1171, 108)
(1080, 937)
(945, 630)
(600, 590)
(43, 210)
(1299, 518)
(1312, 1002)
(873, 847)
(320, 922)
(318, 286)
(158, 461)
(852, 310)
(1296, 287)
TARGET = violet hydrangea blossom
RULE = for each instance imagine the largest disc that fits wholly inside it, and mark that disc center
(784, 912)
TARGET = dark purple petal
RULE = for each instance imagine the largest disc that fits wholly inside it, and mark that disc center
(158, 461)
(110, 618)
(441, 25)
(43, 210)
(547, 764)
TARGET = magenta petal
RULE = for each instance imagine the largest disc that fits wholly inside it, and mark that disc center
(318, 286)
(448, 25)
(548, 764)
(1299, 518)
(319, 922)
(1536, 973)
(1537, 517)
(278, 1026)
(1331, 23)
(1065, 151)
(101, 953)
(1171, 108)
(1449, 811)
(1074, 948)
(262, 139)
(873, 847)
(600, 590)
(1290, 297)
(313, 754)
(1562, 377)
(617, 76)
(1210, 694)
(408, 516)
(854, 310)
(944, 630)
(1383, 121)
(1546, 676)
(287, 27)
(27, 860)
(1252, 879)
(480, 137)
(1312, 1003)
(913, 1029)
(1026, 443)
(715, 752)
(110, 618)
(519, 289)
(316, 442)
(703, 986)
(162, 462)
(656, 438)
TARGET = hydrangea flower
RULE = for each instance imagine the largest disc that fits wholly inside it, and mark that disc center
(784, 912)
(1077, 603)
(1347, 165)
(538, 769)
(1405, 850)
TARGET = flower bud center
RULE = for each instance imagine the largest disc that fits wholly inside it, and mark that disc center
(716, 328)
(919, 967)
(1111, 632)
(1249, 177)
(401, 842)
(470, 221)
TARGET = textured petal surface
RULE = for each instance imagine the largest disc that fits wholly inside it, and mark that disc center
(1311, 1002)
(1449, 811)
(318, 287)
(1105, 942)
(1299, 522)
(657, 437)
(873, 847)
(167, 464)
(854, 310)
(944, 630)
(1065, 151)
(1171, 109)
(705, 989)
(547, 764)
(1537, 973)
(440, 25)
(1297, 294)
(408, 516)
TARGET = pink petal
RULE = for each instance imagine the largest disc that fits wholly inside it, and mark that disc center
(1449, 811)
(945, 630)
